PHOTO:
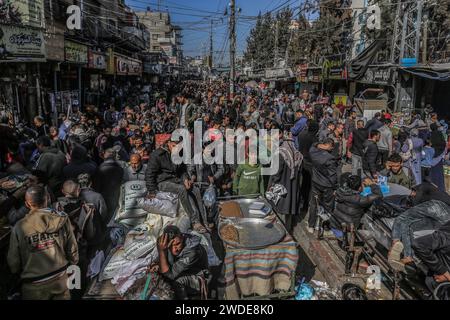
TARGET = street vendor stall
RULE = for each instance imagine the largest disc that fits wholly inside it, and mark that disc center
(260, 256)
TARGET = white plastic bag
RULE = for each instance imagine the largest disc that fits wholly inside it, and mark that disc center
(139, 242)
(163, 204)
(116, 262)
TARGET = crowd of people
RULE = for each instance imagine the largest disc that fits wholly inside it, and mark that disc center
(75, 168)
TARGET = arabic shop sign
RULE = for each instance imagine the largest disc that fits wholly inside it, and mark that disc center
(334, 70)
(97, 60)
(378, 75)
(19, 44)
(302, 72)
(128, 66)
(75, 52)
(22, 12)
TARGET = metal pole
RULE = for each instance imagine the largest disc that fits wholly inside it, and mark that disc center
(38, 89)
(80, 90)
(276, 45)
(402, 54)
(211, 47)
(417, 48)
(425, 38)
(232, 46)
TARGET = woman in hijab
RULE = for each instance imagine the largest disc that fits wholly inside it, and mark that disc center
(439, 146)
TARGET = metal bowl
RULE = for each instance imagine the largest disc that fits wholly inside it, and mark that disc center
(254, 233)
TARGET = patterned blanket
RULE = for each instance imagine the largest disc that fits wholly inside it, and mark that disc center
(249, 272)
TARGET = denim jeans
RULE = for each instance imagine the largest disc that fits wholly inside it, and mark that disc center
(433, 210)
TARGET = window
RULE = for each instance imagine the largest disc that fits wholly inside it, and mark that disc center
(155, 48)
(155, 36)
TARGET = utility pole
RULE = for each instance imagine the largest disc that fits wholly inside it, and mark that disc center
(211, 47)
(232, 46)
(276, 45)
(425, 38)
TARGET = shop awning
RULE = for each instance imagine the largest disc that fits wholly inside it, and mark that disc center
(438, 72)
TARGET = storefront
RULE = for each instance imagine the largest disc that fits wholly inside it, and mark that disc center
(22, 49)
(95, 81)
(76, 58)
(335, 76)
(281, 79)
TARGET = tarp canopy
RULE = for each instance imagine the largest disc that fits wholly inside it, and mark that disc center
(361, 63)
(438, 72)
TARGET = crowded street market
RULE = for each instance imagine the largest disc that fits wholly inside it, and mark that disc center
(307, 183)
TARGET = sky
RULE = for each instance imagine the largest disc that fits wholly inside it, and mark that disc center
(194, 17)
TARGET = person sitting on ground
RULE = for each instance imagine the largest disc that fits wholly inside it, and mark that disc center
(398, 174)
(135, 169)
(41, 247)
(350, 204)
(183, 261)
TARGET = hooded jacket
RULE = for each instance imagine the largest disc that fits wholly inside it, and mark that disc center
(41, 245)
(80, 163)
(351, 205)
(52, 162)
(192, 260)
(325, 167)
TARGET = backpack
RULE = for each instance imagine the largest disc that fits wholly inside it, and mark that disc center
(79, 214)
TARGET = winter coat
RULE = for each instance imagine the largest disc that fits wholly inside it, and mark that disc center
(192, 260)
(370, 157)
(305, 140)
(351, 205)
(434, 250)
(289, 203)
(42, 244)
(80, 163)
(373, 124)
(107, 182)
(160, 168)
(359, 137)
(52, 162)
(130, 175)
(325, 167)
(88, 195)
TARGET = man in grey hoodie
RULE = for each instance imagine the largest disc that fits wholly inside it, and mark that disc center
(385, 142)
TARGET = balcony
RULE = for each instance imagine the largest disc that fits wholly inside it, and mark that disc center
(166, 41)
(134, 36)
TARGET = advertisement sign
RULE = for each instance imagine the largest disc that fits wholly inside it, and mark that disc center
(168, 50)
(340, 100)
(54, 42)
(279, 73)
(22, 12)
(315, 75)
(302, 73)
(128, 66)
(378, 75)
(19, 44)
(334, 69)
(75, 52)
(152, 68)
(96, 60)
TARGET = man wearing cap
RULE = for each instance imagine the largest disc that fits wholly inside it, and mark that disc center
(163, 175)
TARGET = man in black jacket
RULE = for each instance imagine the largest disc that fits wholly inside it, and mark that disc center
(305, 140)
(350, 204)
(108, 180)
(360, 135)
(375, 123)
(370, 157)
(434, 251)
(51, 162)
(163, 175)
(324, 179)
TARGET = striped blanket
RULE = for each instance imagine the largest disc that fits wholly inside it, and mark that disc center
(249, 272)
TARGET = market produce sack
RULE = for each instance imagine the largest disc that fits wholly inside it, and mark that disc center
(139, 242)
(112, 265)
(164, 203)
(130, 192)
